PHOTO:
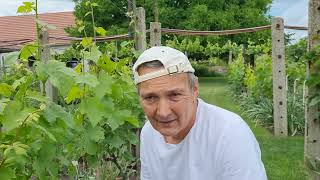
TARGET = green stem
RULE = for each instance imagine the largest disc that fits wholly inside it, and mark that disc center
(93, 23)
(23, 123)
(2, 162)
(38, 30)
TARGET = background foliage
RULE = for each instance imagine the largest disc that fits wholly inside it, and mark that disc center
(183, 14)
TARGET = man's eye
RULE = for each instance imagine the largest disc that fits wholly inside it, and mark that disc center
(150, 98)
(175, 96)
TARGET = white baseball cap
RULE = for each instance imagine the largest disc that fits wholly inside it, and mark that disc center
(172, 60)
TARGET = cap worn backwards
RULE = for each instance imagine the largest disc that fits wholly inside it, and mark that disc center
(172, 60)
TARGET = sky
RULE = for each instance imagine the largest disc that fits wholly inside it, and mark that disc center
(294, 12)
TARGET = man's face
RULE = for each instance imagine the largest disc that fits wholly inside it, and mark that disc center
(169, 103)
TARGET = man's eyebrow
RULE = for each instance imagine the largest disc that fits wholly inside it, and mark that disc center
(176, 90)
(147, 94)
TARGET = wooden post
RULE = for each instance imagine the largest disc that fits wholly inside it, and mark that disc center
(3, 67)
(230, 57)
(132, 15)
(279, 78)
(155, 34)
(312, 120)
(244, 54)
(51, 91)
(155, 11)
(140, 30)
(140, 46)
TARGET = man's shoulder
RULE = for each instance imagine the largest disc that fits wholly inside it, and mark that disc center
(217, 114)
(147, 129)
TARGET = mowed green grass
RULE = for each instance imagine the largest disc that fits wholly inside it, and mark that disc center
(282, 157)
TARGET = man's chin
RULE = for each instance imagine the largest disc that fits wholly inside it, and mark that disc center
(167, 132)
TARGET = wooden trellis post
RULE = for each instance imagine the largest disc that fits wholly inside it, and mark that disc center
(230, 57)
(155, 34)
(279, 78)
(2, 67)
(140, 46)
(312, 121)
(140, 30)
(51, 91)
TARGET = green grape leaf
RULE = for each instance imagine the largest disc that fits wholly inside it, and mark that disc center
(6, 173)
(81, 28)
(104, 86)
(132, 138)
(124, 43)
(92, 55)
(5, 89)
(93, 108)
(88, 79)
(39, 167)
(86, 42)
(41, 71)
(35, 95)
(46, 132)
(60, 76)
(74, 93)
(95, 133)
(117, 91)
(47, 153)
(88, 13)
(108, 106)
(18, 82)
(3, 104)
(115, 141)
(133, 121)
(28, 50)
(23, 87)
(13, 115)
(11, 58)
(27, 7)
(94, 4)
(91, 147)
(20, 149)
(106, 64)
(101, 31)
(55, 111)
(125, 115)
(115, 120)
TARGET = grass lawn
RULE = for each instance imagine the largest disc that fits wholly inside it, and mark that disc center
(282, 157)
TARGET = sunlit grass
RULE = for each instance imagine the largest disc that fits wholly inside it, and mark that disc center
(282, 157)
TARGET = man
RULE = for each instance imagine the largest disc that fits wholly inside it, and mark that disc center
(186, 138)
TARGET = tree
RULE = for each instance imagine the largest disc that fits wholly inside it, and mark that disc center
(186, 14)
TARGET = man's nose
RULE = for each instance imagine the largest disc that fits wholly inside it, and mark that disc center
(163, 109)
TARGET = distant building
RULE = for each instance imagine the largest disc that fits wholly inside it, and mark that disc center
(16, 31)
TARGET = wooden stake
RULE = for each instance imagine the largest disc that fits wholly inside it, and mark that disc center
(230, 57)
(312, 121)
(155, 34)
(51, 91)
(140, 30)
(279, 78)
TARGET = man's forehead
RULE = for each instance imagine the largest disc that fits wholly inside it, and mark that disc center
(142, 70)
(165, 83)
(145, 91)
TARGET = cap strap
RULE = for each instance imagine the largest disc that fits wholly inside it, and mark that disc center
(151, 75)
(169, 70)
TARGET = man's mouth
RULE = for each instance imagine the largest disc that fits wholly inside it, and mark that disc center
(166, 122)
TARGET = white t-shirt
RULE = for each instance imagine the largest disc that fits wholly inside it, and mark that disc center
(219, 146)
